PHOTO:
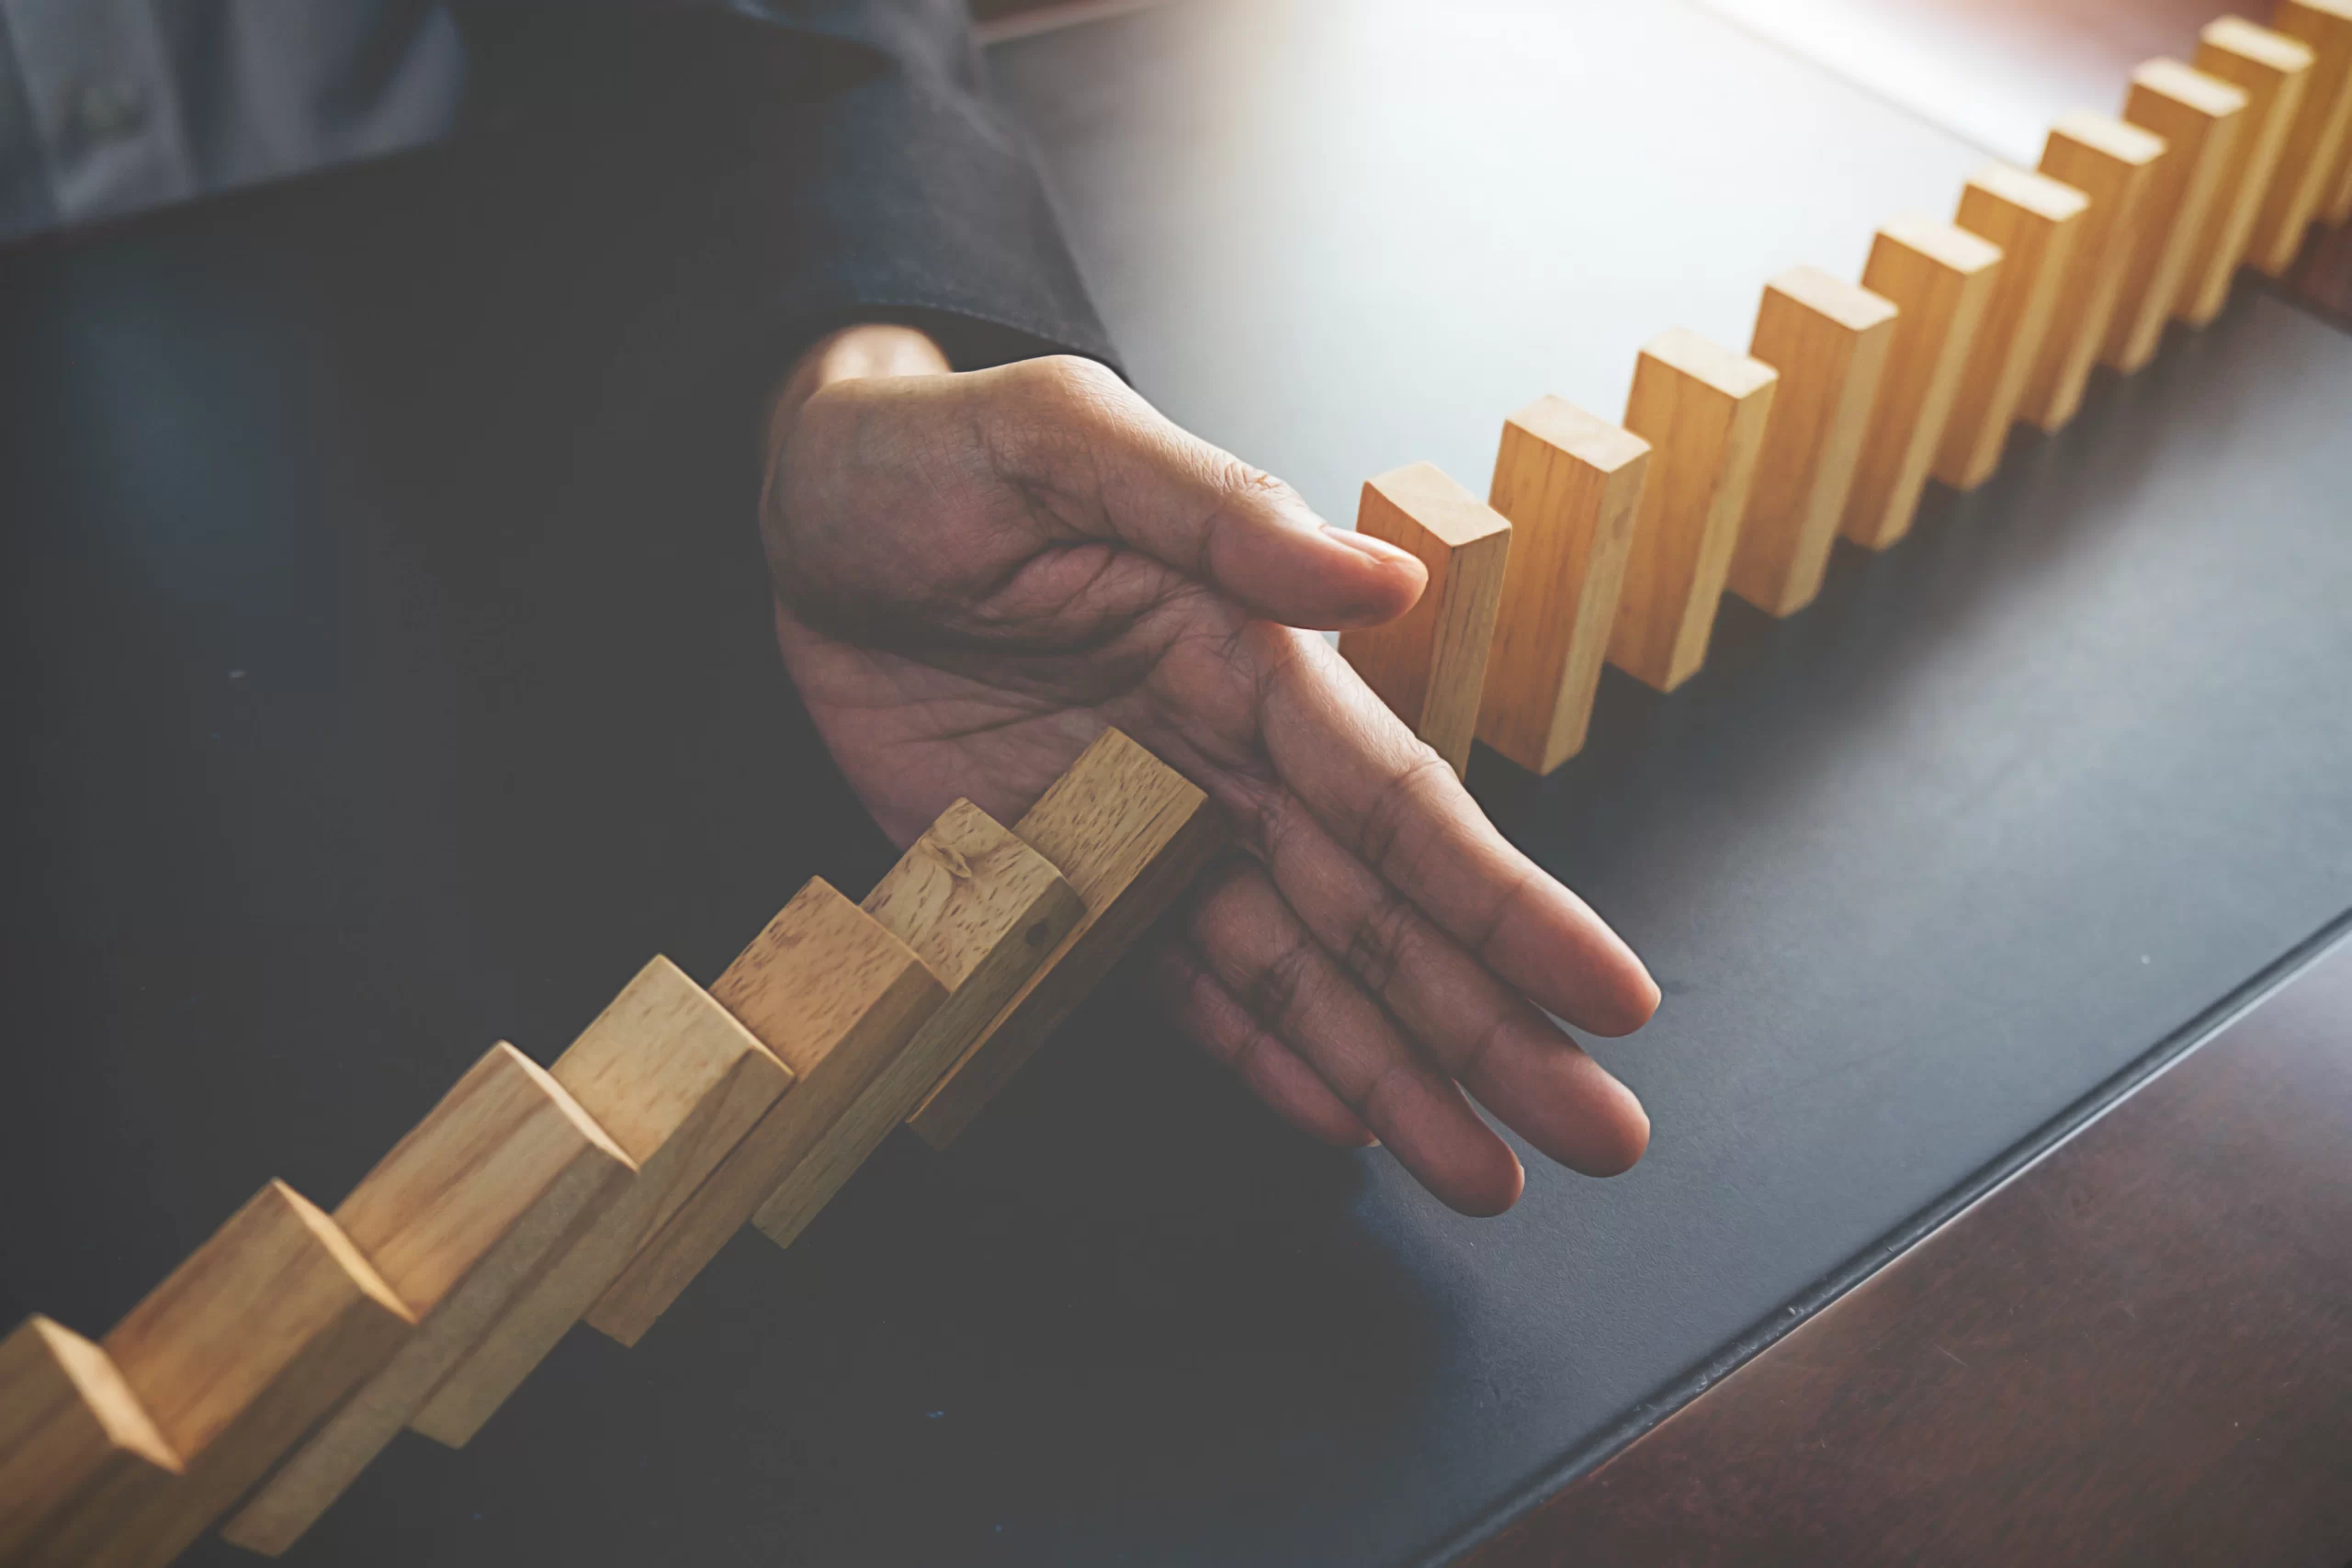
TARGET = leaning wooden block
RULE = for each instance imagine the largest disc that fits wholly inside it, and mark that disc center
(75, 1441)
(1430, 664)
(675, 1082)
(1129, 833)
(2272, 69)
(1942, 278)
(983, 911)
(459, 1219)
(1830, 340)
(1703, 408)
(835, 998)
(2037, 221)
(2114, 164)
(2199, 118)
(2316, 172)
(1570, 485)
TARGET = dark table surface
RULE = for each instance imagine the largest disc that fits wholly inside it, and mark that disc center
(387, 672)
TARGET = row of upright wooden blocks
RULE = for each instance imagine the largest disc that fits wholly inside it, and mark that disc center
(260, 1378)
(1600, 542)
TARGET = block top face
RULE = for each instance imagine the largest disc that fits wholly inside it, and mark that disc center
(2236, 35)
(2208, 95)
(2038, 193)
(651, 1055)
(94, 1378)
(1849, 304)
(1943, 243)
(2339, 11)
(1591, 439)
(2118, 139)
(1708, 361)
(1424, 492)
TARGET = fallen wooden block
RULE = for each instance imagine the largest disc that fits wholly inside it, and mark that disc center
(2114, 164)
(2272, 69)
(2037, 222)
(75, 1441)
(459, 1219)
(676, 1082)
(1829, 341)
(1703, 409)
(983, 911)
(1128, 832)
(1430, 664)
(835, 998)
(1942, 279)
(2316, 136)
(1570, 485)
(2199, 118)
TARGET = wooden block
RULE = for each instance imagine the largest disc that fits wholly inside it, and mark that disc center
(234, 1357)
(1129, 833)
(75, 1441)
(2037, 222)
(1569, 484)
(2272, 69)
(2199, 118)
(459, 1219)
(1942, 279)
(983, 911)
(1829, 341)
(675, 1082)
(835, 997)
(1430, 664)
(2114, 164)
(2316, 172)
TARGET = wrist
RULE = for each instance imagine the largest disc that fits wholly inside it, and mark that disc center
(857, 353)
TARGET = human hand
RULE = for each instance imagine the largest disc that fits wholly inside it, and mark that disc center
(976, 573)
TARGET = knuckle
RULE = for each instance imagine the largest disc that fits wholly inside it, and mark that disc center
(1399, 800)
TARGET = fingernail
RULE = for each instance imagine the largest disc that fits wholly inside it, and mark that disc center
(1380, 550)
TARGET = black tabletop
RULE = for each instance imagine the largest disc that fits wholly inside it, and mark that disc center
(387, 672)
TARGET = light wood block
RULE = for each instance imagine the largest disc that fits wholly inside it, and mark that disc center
(2272, 69)
(2114, 164)
(1129, 833)
(835, 998)
(1569, 484)
(75, 1441)
(1703, 409)
(2199, 118)
(2037, 221)
(1942, 279)
(1830, 340)
(2316, 172)
(1430, 664)
(459, 1219)
(675, 1082)
(266, 1328)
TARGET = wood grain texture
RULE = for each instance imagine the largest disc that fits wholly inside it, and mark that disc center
(834, 997)
(1830, 340)
(2200, 118)
(984, 912)
(676, 1082)
(459, 1219)
(1430, 664)
(1703, 409)
(2114, 164)
(1570, 485)
(2272, 69)
(2037, 221)
(75, 1441)
(2317, 136)
(2138, 1350)
(2326, 27)
(1942, 279)
(1129, 833)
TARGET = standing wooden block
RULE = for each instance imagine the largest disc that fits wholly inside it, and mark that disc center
(676, 1082)
(1703, 409)
(1430, 664)
(1829, 341)
(1942, 279)
(459, 1219)
(1570, 485)
(2316, 139)
(75, 1441)
(2199, 118)
(2272, 69)
(2114, 164)
(2037, 221)
(835, 997)
(1129, 833)
(983, 911)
